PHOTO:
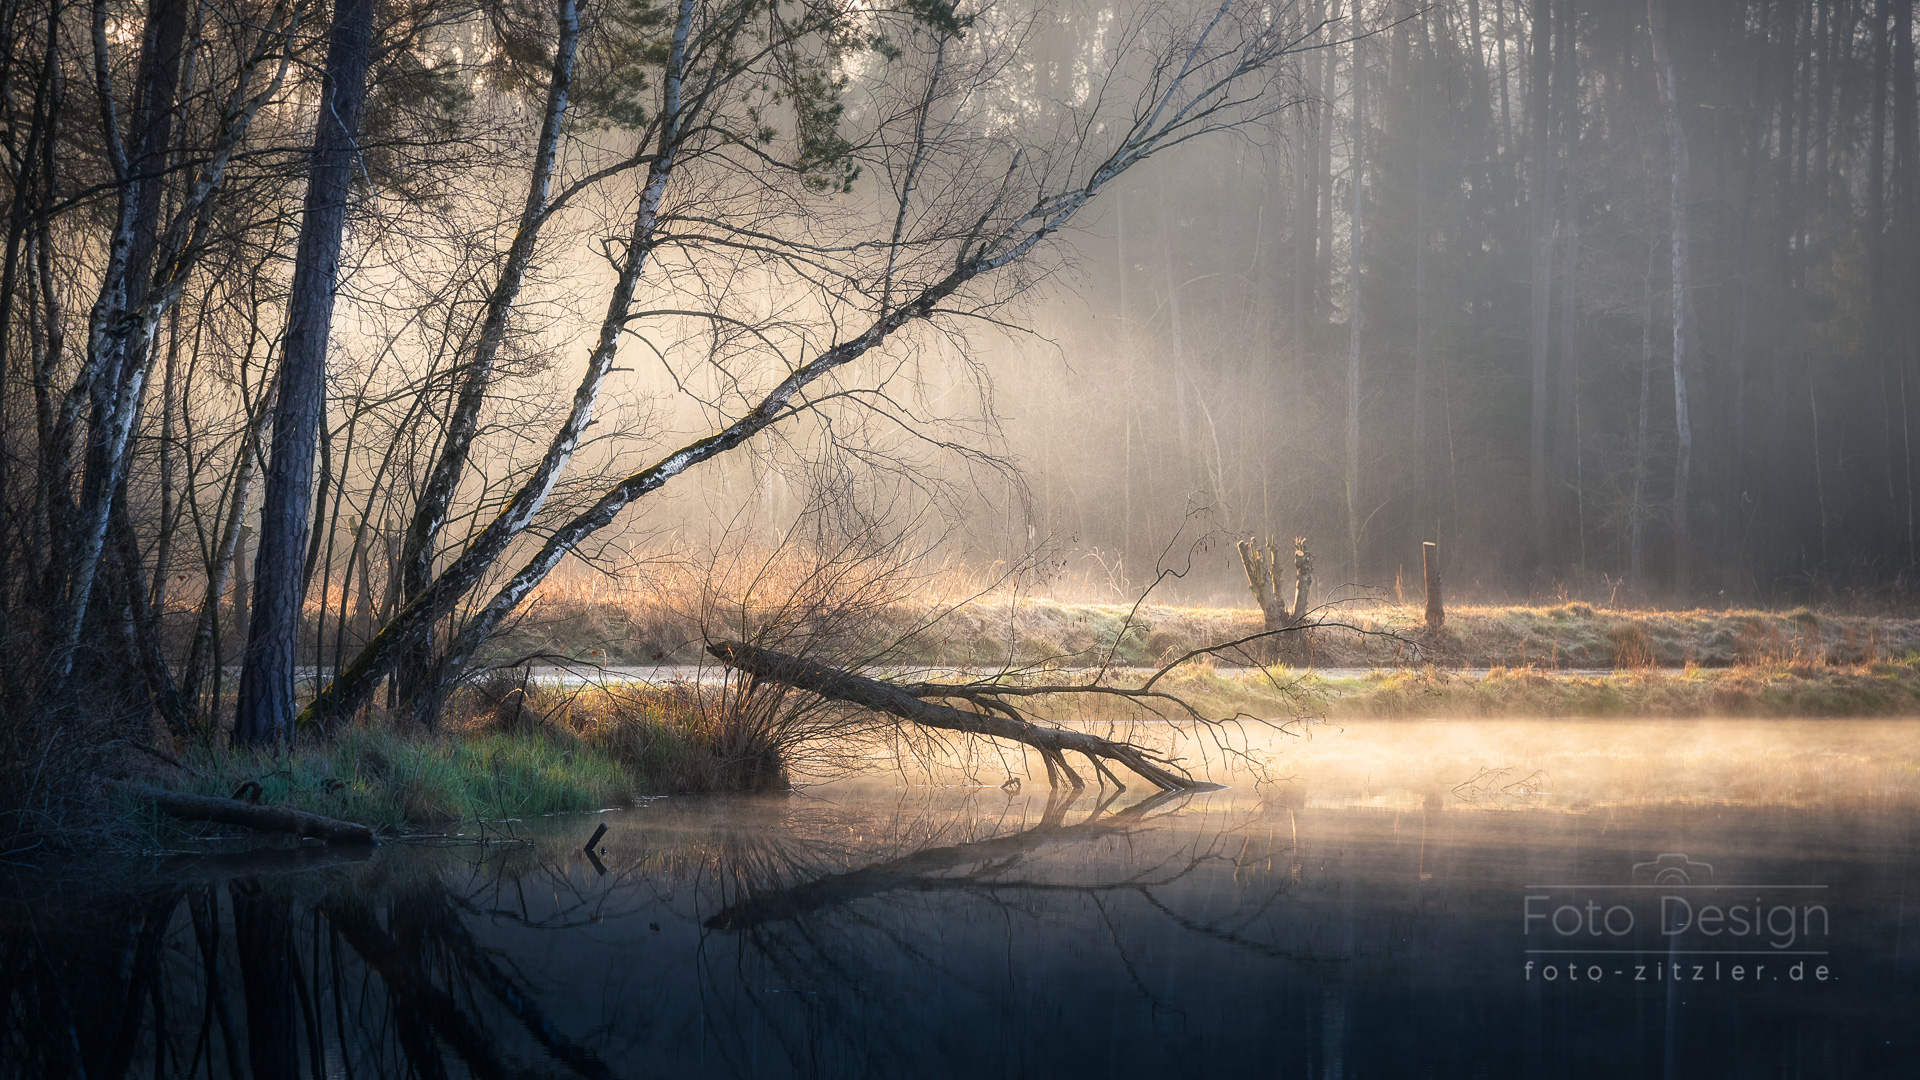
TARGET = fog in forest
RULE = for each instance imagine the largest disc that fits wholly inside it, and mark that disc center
(1487, 358)
(1501, 321)
(404, 310)
(1366, 469)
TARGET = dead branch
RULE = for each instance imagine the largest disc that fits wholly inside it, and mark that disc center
(994, 719)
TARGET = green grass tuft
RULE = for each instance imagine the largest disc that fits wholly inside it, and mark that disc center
(393, 781)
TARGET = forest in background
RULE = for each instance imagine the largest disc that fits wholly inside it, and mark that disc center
(331, 332)
(1513, 385)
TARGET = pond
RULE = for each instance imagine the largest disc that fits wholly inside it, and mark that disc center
(1657, 898)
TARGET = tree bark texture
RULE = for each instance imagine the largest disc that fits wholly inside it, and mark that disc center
(1355, 318)
(266, 706)
(436, 498)
(1264, 581)
(1542, 176)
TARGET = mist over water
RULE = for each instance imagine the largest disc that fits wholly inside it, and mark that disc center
(838, 337)
(1367, 915)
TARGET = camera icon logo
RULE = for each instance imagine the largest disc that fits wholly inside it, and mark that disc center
(1672, 868)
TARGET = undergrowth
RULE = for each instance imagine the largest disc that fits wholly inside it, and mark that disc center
(508, 750)
(395, 780)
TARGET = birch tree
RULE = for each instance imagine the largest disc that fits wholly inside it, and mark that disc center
(965, 210)
(149, 259)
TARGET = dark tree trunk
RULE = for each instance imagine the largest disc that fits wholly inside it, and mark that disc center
(1565, 493)
(1880, 346)
(263, 934)
(266, 706)
(153, 130)
(1506, 107)
(1566, 405)
(1422, 235)
(1906, 168)
(1637, 503)
(1306, 285)
(1323, 181)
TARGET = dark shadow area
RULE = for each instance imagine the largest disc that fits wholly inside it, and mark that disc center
(954, 933)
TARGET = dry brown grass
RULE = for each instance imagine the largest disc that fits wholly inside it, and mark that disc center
(938, 628)
(1780, 689)
(731, 734)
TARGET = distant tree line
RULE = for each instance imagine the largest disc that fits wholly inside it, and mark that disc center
(1597, 293)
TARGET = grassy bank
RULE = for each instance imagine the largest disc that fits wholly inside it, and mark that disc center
(1882, 688)
(642, 628)
(398, 781)
(511, 749)
(505, 751)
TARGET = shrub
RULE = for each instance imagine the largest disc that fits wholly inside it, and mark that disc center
(1632, 645)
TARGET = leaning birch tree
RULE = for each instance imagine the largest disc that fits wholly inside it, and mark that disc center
(748, 167)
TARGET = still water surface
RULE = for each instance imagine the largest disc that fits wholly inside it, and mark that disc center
(1365, 911)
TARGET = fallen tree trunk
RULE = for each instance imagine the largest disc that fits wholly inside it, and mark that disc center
(263, 818)
(998, 720)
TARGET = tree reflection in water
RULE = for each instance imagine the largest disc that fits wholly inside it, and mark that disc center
(821, 953)
(925, 933)
(299, 963)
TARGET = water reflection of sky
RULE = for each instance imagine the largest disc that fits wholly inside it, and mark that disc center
(1363, 917)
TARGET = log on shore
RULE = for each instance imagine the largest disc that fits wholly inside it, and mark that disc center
(1053, 743)
(222, 811)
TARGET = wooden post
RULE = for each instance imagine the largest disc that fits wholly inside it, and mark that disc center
(1430, 562)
